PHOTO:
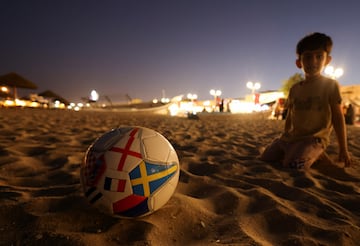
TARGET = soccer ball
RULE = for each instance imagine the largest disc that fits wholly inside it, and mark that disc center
(130, 172)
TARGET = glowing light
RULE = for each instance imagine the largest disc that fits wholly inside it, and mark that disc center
(34, 104)
(215, 93)
(94, 96)
(165, 100)
(334, 73)
(192, 97)
(253, 86)
(238, 106)
(173, 109)
(9, 103)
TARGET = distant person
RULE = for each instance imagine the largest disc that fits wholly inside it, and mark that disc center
(228, 106)
(350, 115)
(279, 109)
(221, 106)
(314, 107)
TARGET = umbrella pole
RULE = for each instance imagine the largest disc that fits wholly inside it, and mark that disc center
(15, 93)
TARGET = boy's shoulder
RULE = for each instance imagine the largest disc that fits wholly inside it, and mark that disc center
(321, 81)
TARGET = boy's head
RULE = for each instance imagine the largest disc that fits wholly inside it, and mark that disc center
(314, 41)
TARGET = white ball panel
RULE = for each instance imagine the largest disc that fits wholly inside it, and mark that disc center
(112, 159)
(172, 158)
(161, 196)
(156, 148)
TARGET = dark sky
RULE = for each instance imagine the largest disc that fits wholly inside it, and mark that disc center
(141, 48)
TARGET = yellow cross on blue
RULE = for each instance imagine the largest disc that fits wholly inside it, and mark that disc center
(148, 177)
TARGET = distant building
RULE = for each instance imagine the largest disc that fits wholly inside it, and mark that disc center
(265, 97)
(351, 93)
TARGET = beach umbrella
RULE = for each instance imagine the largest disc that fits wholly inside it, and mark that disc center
(16, 81)
(52, 95)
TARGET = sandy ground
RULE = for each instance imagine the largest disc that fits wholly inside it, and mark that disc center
(225, 196)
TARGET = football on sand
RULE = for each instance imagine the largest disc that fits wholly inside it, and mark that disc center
(130, 172)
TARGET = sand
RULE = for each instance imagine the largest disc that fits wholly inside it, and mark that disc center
(225, 196)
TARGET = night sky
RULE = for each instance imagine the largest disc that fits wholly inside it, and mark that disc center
(145, 48)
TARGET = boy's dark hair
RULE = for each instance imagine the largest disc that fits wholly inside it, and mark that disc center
(314, 41)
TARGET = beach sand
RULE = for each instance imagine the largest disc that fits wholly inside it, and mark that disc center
(225, 196)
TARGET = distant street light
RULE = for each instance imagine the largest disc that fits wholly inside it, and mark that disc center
(253, 86)
(94, 96)
(192, 97)
(334, 73)
(216, 94)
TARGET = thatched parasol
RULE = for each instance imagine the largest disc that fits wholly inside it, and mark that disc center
(16, 81)
(52, 95)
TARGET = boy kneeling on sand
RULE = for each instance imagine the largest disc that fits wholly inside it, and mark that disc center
(314, 108)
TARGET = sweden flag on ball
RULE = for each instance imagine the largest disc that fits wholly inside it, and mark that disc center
(148, 177)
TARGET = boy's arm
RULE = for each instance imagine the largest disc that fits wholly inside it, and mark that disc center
(338, 123)
(287, 123)
(288, 117)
